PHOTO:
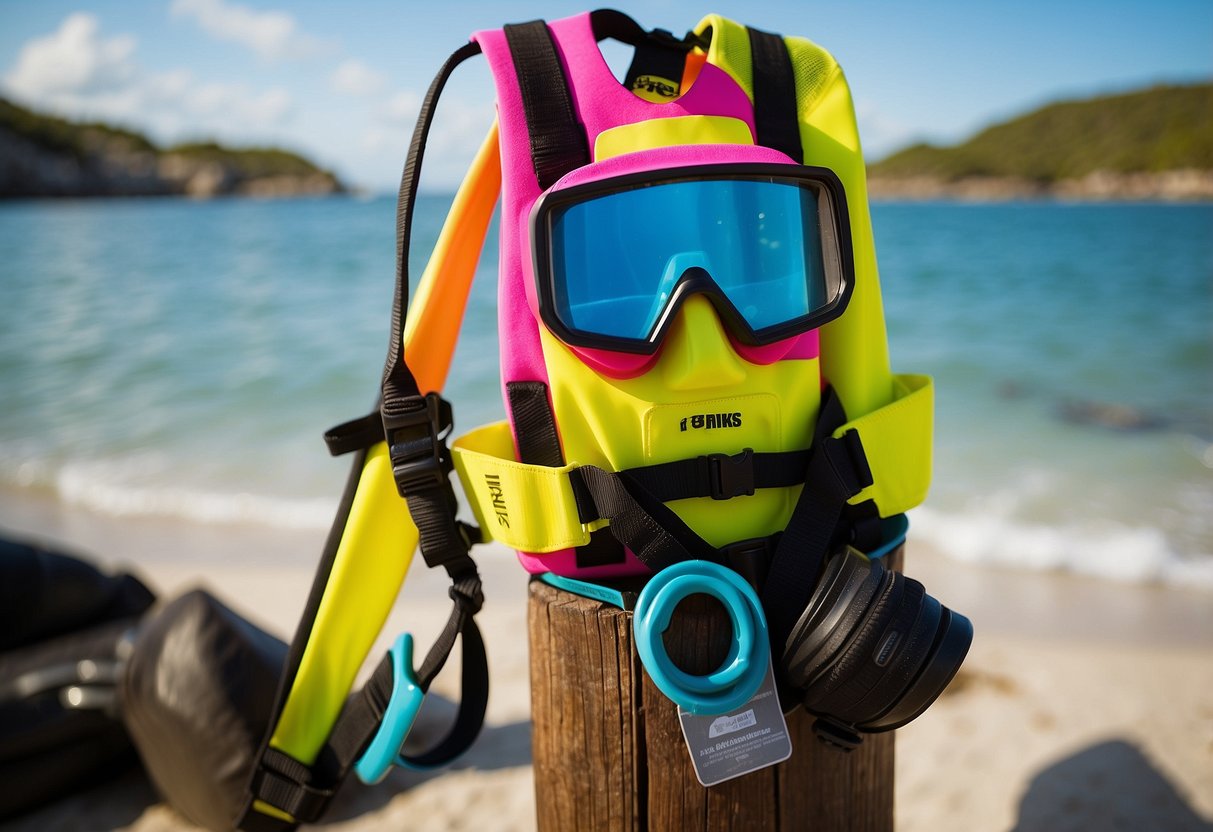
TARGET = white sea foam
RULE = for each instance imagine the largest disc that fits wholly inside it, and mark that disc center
(131, 487)
(1120, 552)
(195, 505)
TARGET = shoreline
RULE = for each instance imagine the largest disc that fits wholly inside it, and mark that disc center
(1186, 186)
(1083, 704)
(999, 599)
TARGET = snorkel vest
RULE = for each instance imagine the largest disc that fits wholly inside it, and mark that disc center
(725, 410)
(699, 416)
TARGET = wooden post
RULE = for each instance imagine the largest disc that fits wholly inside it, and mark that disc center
(609, 753)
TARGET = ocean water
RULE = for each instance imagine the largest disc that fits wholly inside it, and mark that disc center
(182, 359)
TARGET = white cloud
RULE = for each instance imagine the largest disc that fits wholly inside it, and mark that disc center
(215, 105)
(77, 72)
(456, 133)
(271, 34)
(402, 108)
(73, 59)
(353, 77)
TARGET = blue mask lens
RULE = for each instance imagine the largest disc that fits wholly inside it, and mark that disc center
(764, 249)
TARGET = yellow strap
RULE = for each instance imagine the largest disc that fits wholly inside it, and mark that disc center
(897, 442)
(379, 537)
(531, 507)
(526, 507)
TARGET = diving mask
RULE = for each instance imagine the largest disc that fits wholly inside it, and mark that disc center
(768, 244)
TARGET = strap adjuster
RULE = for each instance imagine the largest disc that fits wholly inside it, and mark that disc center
(837, 735)
(731, 476)
(751, 558)
(416, 445)
(848, 462)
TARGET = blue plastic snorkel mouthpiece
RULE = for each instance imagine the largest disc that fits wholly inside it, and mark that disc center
(398, 718)
(741, 674)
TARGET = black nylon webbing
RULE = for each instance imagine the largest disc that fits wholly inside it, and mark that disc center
(354, 435)
(557, 138)
(837, 471)
(776, 109)
(655, 534)
(304, 792)
(602, 550)
(698, 477)
(535, 423)
(398, 381)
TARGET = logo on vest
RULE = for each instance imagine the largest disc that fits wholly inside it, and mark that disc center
(710, 421)
(497, 495)
(655, 85)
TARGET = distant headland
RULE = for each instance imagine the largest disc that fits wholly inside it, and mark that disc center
(45, 156)
(1151, 144)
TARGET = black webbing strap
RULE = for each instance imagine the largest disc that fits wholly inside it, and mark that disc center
(655, 534)
(720, 476)
(539, 444)
(837, 471)
(535, 423)
(400, 394)
(602, 550)
(776, 108)
(355, 435)
(657, 64)
(363, 713)
(304, 791)
(557, 137)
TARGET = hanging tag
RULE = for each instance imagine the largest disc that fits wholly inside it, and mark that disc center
(729, 745)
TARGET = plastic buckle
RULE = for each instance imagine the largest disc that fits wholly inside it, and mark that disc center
(750, 559)
(849, 461)
(837, 735)
(415, 447)
(731, 476)
(398, 717)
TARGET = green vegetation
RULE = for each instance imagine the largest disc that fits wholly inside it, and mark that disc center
(81, 140)
(251, 162)
(1157, 129)
(73, 138)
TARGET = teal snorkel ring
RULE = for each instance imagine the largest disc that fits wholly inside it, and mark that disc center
(741, 674)
(398, 717)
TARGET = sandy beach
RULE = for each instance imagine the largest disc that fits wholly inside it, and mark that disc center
(1082, 705)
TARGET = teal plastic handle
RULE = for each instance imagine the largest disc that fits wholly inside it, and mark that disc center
(398, 717)
(740, 675)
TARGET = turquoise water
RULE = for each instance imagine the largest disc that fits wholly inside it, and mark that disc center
(166, 357)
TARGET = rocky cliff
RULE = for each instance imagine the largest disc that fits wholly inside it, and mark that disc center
(43, 156)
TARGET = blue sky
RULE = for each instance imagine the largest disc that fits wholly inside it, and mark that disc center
(341, 82)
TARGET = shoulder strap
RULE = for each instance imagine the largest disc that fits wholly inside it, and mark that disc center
(557, 138)
(776, 118)
(284, 791)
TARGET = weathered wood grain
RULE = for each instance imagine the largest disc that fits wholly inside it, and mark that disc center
(609, 752)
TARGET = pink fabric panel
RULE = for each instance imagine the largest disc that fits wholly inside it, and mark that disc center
(521, 352)
(564, 562)
(679, 156)
(602, 102)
